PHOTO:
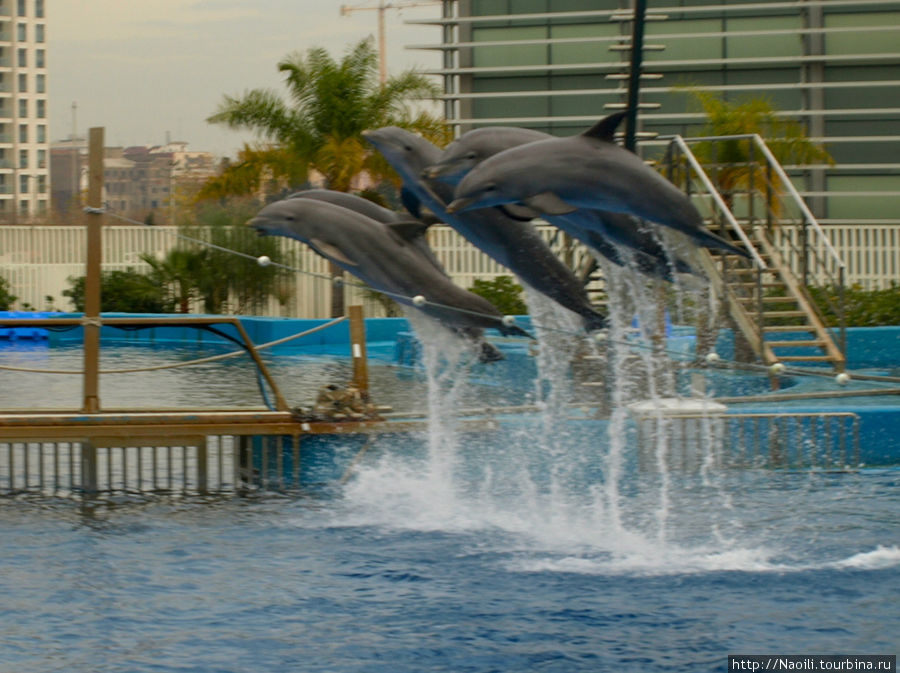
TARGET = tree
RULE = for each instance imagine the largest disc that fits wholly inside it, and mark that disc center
(181, 273)
(229, 282)
(320, 127)
(785, 137)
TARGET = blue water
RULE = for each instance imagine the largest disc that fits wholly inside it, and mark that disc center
(464, 552)
(330, 585)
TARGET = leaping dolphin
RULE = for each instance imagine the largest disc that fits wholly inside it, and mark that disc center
(560, 175)
(514, 244)
(379, 256)
(407, 228)
(600, 230)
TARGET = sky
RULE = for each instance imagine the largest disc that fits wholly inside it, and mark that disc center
(146, 70)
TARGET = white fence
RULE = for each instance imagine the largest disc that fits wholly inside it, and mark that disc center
(37, 261)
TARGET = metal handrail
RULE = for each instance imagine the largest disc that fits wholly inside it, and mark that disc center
(719, 201)
(789, 186)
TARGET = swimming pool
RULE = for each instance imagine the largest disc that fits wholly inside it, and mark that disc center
(501, 551)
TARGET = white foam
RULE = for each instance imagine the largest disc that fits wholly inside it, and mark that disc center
(877, 559)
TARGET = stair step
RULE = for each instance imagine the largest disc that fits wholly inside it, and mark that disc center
(807, 358)
(797, 343)
(784, 314)
(752, 301)
(788, 328)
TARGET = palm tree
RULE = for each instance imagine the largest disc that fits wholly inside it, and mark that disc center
(330, 104)
(785, 137)
(319, 128)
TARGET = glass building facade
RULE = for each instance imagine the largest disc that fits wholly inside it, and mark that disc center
(559, 65)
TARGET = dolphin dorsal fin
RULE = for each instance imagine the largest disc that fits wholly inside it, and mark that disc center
(605, 129)
(409, 230)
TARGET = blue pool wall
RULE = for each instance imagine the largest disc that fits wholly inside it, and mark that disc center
(867, 347)
(390, 339)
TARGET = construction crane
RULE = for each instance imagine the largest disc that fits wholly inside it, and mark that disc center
(381, 8)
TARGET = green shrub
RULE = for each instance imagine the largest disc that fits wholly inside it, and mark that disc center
(7, 298)
(863, 308)
(503, 292)
(124, 291)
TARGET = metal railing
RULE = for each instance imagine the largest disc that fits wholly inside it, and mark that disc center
(804, 440)
(744, 190)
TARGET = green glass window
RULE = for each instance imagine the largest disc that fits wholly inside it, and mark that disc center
(509, 55)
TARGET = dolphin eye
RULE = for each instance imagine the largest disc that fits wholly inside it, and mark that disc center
(471, 155)
(490, 188)
(408, 148)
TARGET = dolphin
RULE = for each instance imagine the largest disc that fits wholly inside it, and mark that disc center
(514, 244)
(560, 175)
(378, 255)
(473, 147)
(600, 230)
(411, 230)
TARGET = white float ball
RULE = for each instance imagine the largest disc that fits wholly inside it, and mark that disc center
(712, 357)
(263, 260)
(776, 369)
(418, 300)
(842, 379)
(509, 320)
(338, 281)
(600, 336)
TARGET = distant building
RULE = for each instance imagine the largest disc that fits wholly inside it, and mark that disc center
(24, 147)
(139, 182)
(559, 65)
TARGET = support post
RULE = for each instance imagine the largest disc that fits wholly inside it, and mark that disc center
(634, 77)
(358, 344)
(94, 225)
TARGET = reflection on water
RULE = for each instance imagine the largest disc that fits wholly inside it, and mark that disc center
(226, 383)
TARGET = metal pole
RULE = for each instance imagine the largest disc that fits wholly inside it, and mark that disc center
(358, 344)
(634, 78)
(92, 273)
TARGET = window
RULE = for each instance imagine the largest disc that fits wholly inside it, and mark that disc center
(39, 8)
(41, 133)
(23, 83)
(40, 83)
(39, 58)
(39, 32)
(21, 4)
(23, 159)
(23, 107)
(23, 133)
(23, 58)
(23, 184)
(22, 32)
(41, 108)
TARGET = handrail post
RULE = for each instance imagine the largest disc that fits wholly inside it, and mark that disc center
(358, 346)
(92, 304)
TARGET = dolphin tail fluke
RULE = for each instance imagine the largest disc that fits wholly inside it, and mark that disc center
(594, 321)
(710, 240)
(488, 352)
(515, 330)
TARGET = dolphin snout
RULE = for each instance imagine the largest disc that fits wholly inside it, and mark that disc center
(458, 205)
(261, 224)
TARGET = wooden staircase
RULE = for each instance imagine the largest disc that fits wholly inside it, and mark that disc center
(766, 295)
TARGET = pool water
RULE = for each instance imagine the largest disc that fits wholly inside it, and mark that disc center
(337, 584)
(451, 552)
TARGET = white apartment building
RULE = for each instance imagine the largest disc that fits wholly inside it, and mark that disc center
(24, 140)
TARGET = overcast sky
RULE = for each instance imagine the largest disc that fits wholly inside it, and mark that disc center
(142, 68)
